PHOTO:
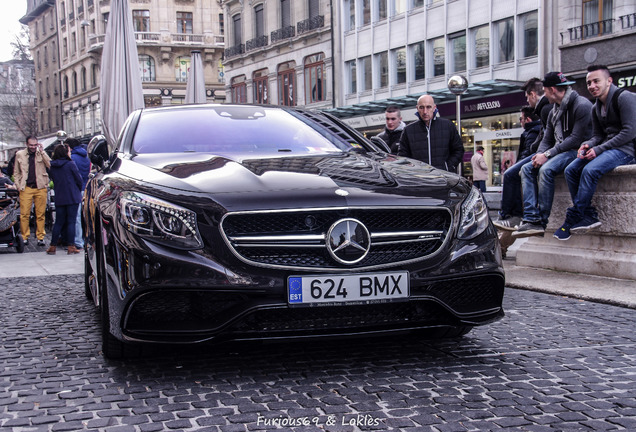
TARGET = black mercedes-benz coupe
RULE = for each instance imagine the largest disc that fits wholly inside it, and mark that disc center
(237, 222)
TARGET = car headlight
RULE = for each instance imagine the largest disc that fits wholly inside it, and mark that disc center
(160, 221)
(474, 219)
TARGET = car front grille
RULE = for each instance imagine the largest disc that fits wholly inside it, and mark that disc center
(298, 239)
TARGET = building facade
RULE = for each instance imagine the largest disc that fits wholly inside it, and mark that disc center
(166, 32)
(598, 32)
(279, 52)
(389, 52)
(41, 18)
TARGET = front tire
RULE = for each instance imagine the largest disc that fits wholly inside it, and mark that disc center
(19, 243)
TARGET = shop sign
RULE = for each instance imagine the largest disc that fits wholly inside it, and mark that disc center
(483, 105)
(355, 122)
(499, 134)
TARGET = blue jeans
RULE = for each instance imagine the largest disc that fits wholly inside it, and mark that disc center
(64, 221)
(480, 184)
(511, 201)
(79, 237)
(538, 187)
(583, 176)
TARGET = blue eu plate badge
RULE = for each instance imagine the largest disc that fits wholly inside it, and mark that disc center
(295, 290)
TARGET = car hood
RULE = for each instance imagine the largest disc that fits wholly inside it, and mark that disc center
(297, 180)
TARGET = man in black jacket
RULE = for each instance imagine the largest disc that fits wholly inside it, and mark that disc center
(432, 139)
(511, 209)
(394, 127)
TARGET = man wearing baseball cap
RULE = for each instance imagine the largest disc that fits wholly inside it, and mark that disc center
(569, 124)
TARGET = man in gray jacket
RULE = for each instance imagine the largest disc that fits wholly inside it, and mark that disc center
(432, 139)
(568, 126)
(611, 145)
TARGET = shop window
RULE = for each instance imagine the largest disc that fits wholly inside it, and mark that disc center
(457, 44)
(261, 90)
(315, 85)
(239, 90)
(481, 38)
(147, 68)
(439, 56)
(505, 37)
(287, 85)
(181, 68)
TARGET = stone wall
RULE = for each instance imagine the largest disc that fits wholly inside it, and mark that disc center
(609, 250)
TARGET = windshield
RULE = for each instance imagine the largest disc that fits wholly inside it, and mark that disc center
(232, 131)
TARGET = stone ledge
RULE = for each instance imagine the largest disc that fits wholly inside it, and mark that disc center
(607, 251)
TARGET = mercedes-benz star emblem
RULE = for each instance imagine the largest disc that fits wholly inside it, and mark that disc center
(348, 241)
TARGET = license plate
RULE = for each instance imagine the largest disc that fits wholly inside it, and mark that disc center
(361, 289)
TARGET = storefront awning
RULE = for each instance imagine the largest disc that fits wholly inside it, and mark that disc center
(475, 91)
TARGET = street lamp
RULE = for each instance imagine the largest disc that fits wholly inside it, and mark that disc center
(458, 84)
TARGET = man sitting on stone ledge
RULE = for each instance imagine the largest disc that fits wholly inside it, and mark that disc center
(568, 126)
(612, 144)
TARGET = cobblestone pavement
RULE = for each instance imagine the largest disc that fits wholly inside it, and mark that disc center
(553, 363)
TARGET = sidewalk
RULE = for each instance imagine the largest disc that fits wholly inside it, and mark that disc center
(619, 292)
(35, 262)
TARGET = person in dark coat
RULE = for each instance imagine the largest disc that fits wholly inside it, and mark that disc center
(432, 139)
(394, 127)
(531, 128)
(80, 157)
(67, 184)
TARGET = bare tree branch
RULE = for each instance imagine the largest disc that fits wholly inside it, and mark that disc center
(20, 44)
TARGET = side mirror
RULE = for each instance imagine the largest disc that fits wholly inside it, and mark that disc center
(380, 144)
(98, 150)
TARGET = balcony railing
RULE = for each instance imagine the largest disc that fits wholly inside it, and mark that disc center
(283, 33)
(257, 42)
(235, 50)
(311, 24)
(96, 41)
(590, 30)
(147, 37)
(188, 38)
(628, 21)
